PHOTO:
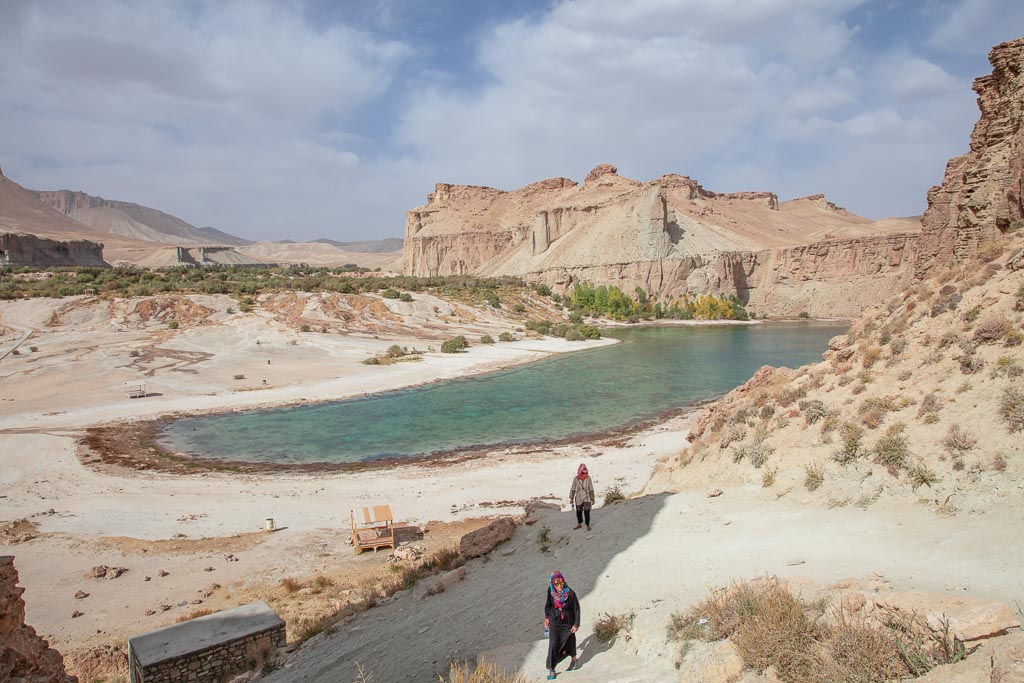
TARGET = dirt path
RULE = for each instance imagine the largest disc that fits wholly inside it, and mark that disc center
(657, 555)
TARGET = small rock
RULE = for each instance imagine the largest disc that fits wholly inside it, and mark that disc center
(714, 493)
(80, 595)
(76, 614)
(197, 601)
(146, 578)
(795, 561)
(207, 569)
(165, 608)
(150, 612)
(162, 573)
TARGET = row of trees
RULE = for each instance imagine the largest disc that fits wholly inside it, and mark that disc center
(611, 302)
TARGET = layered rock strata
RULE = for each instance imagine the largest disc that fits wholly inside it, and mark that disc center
(18, 250)
(669, 236)
(981, 193)
(24, 656)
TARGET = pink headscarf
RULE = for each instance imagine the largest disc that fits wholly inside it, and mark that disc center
(559, 597)
(581, 472)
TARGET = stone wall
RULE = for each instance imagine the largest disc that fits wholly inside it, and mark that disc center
(212, 664)
(24, 656)
(17, 250)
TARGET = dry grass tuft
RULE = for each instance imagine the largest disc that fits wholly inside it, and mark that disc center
(608, 626)
(1011, 409)
(891, 449)
(958, 441)
(815, 476)
(464, 672)
(991, 330)
(290, 585)
(194, 614)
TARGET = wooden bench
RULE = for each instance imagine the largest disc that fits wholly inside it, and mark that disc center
(375, 530)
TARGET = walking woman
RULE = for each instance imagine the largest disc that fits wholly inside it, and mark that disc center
(581, 495)
(562, 620)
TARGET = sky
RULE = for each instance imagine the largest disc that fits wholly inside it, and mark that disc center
(332, 118)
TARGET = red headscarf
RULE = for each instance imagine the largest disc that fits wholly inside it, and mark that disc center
(581, 472)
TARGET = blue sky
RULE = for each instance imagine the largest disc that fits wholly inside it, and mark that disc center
(332, 118)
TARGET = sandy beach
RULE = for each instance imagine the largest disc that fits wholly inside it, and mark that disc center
(89, 514)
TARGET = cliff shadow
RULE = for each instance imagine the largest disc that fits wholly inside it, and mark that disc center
(500, 604)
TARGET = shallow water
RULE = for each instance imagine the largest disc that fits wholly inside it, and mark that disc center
(653, 370)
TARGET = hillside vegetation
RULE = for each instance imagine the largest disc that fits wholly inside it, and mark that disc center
(924, 398)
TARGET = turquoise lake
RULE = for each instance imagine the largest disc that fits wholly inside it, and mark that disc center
(653, 370)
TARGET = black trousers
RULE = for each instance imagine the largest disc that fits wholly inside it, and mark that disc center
(583, 512)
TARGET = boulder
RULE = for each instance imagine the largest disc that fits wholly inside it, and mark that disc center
(974, 669)
(1008, 659)
(535, 506)
(483, 541)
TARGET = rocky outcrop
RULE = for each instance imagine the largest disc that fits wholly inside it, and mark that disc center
(24, 656)
(981, 193)
(18, 250)
(482, 541)
(669, 236)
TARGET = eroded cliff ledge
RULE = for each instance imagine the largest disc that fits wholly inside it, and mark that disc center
(668, 236)
(671, 236)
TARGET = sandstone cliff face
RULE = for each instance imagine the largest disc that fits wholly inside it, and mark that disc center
(37, 252)
(24, 656)
(981, 193)
(668, 236)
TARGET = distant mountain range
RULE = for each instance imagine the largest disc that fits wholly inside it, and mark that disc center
(132, 233)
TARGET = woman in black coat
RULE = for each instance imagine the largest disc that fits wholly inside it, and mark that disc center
(562, 619)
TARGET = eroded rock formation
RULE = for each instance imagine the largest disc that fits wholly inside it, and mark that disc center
(981, 193)
(668, 236)
(18, 250)
(24, 656)
(671, 236)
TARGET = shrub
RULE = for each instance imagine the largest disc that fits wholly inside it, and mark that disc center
(544, 539)
(390, 294)
(505, 337)
(891, 449)
(930, 405)
(850, 449)
(239, 377)
(405, 296)
(813, 410)
(814, 476)
(372, 360)
(804, 315)
(972, 315)
(922, 475)
(539, 326)
(1011, 409)
(290, 585)
(1019, 303)
(614, 495)
(173, 325)
(970, 364)
(608, 626)
(957, 441)
(991, 330)
(768, 477)
(1013, 338)
(395, 351)
(454, 345)
(871, 356)
(487, 339)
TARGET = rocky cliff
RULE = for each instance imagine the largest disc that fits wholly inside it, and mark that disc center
(125, 219)
(38, 252)
(24, 656)
(981, 193)
(668, 236)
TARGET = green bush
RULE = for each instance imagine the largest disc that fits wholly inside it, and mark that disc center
(405, 296)
(505, 337)
(395, 351)
(304, 328)
(390, 294)
(487, 339)
(173, 325)
(804, 314)
(454, 345)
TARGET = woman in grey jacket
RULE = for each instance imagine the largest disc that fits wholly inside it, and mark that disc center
(581, 495)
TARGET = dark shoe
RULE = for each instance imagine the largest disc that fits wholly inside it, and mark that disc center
(578, 526)
(588, 527)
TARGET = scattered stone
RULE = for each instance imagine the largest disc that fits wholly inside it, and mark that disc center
(76, 614)
(508, 553)
(165, 608)
(714, 493)
(147, 578)
(207, 569)
(796, 561)
(80, 595)
(197, 601)
(104, 572)
(150, 612)
(162, 573)
(230, 558)
(482, 541)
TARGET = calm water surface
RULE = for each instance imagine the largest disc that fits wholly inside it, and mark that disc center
(652, 370)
